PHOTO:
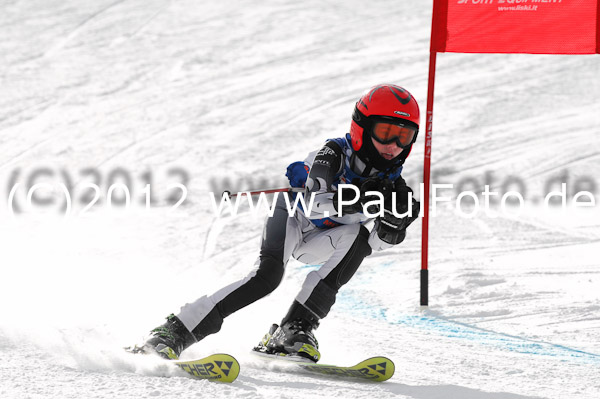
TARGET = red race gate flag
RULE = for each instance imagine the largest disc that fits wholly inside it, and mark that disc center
(502, 26)
(516, 26)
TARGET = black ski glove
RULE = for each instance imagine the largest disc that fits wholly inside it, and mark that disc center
(392, 229)
(385, 187)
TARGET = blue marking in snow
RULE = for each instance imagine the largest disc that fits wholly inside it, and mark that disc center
(452, 329)
(308, 267)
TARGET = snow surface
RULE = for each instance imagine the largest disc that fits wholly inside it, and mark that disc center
(200, 92)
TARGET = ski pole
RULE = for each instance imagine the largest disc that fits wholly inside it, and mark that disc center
(266, 191)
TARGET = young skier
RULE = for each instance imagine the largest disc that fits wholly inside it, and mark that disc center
(385, 124)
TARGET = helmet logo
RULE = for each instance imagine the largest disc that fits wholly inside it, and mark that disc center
(402, 113)
(404, 101)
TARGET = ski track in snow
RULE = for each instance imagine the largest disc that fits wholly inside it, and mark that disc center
(231, 93)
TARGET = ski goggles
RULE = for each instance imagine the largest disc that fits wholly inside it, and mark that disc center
(385, 133)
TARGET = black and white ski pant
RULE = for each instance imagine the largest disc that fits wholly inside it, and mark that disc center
(340, 250)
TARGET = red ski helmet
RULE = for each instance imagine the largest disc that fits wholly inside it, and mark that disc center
(389, 109)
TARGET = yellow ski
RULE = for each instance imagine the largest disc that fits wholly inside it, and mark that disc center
(373, 369)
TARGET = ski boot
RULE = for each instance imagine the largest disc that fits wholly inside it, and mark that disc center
(294, 339)
(167, 340)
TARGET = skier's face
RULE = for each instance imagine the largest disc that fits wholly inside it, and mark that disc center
(387, 151)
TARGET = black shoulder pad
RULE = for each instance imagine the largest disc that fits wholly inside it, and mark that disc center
(326, 165)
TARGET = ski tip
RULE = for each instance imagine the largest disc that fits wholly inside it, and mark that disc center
(378, 368)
